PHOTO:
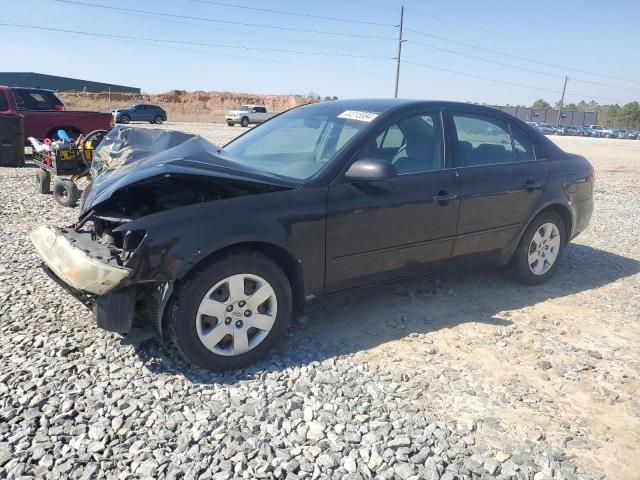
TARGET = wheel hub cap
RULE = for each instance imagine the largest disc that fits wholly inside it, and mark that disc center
(544, 248)
(236, 314)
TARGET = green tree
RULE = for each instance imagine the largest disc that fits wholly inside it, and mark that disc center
(541, 103)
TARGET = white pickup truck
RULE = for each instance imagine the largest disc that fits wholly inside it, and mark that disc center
(247, 114)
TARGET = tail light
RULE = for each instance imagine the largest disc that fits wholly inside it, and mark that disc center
(58, 107)
(591, 177)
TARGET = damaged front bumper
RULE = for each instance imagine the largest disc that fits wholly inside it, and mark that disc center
(73, 265)
(89, 271)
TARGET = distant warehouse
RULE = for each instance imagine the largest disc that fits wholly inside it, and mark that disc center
(63, 84)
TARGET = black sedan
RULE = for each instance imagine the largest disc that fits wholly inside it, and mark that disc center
(216, 247)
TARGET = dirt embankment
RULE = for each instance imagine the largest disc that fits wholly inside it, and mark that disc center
(182, 105)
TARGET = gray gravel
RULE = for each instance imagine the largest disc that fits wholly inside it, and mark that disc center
(434, 379)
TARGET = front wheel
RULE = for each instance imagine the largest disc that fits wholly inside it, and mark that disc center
(244, 122)
(231, 312)
(124, 119)
(230, 124)
(539, 250)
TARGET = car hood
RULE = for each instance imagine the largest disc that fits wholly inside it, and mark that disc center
(130, 155)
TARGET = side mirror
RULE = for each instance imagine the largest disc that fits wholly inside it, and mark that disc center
(370, 170)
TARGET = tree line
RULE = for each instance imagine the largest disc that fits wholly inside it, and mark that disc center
(612, 115)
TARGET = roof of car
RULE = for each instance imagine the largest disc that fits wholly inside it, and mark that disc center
(380, 105)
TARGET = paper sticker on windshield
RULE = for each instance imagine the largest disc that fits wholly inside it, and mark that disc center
(358, 115)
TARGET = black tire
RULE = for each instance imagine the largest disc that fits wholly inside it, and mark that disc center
(66, 192)
(43, 181)
(244, 122)
(125, 119)
(231, 124)
(520, 260)
(158, 120)
(189, 294)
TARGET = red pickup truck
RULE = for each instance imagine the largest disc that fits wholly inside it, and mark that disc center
(41, 122)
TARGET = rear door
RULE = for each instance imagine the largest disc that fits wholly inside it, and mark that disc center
(501, 183)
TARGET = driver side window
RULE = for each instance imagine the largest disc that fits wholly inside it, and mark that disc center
(412, 145)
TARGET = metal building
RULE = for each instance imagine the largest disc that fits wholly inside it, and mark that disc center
(64, 84)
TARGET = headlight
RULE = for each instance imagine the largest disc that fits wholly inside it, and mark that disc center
(74, 266)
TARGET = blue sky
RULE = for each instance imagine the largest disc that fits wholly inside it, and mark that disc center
(594, 37)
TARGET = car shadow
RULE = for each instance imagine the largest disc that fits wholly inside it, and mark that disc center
(364, 318)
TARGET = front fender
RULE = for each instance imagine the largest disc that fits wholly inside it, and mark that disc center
(179, 239)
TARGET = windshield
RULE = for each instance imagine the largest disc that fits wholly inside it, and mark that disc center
(244, 108)
(298, 143)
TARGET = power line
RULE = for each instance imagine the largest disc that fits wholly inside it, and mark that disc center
(510, 65)
(297, 14)
(229, 22)
(518, 67)
(506, 82)
(562, 67)
(199, 44)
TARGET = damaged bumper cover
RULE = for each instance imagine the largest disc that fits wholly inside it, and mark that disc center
(73, 265)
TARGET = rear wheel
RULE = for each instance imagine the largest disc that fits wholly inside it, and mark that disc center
(539, 250)
(43, 181)
(244, 122)
(66, 192)
(157, 119)
(231, 312)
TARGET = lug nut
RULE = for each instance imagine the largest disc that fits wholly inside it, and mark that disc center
(229, 308)
(227, 321)
(239, 324)
(242, 303)
(247, 313)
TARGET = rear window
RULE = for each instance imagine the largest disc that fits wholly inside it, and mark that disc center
(4, 103)
(35, 99)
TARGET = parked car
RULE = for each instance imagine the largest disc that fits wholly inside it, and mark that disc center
(141, 112)
(561, 129)
(546, 129)
(216, 247)
(575, 131)
(247, 114)
(42, 122)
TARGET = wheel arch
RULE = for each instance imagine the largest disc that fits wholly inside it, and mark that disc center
(561, 209)
(70, 129)
(281, 256)
(565, 213)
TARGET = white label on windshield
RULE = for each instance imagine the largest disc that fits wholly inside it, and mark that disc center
(358, 115)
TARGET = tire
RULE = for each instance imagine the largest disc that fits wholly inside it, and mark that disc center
(66, 192)
(524, 261)
(158, 120)
(231, 124)
(125, 119)
(244, 122)
(43, 181)
(187, 324)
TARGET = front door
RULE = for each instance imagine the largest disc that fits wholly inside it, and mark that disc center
(402, 226)
(501, 184)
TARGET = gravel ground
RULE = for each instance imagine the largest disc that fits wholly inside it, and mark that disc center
(465, 376)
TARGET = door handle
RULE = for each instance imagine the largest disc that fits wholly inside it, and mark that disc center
(443, 197)
(532, 185)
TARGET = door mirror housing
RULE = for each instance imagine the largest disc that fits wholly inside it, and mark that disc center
(370, 170)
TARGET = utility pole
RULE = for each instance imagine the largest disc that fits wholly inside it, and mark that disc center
(395, 95)
(562, 99)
